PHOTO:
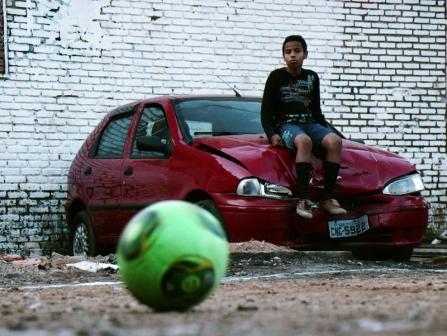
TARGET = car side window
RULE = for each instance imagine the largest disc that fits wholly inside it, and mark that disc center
(152, 123)
(111, 143)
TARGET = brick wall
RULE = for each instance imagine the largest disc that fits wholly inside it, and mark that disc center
(382, 67)
(2, 45)
(392, 77)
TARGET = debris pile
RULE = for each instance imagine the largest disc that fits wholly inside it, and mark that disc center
(441, 239)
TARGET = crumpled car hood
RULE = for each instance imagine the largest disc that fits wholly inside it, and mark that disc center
(363, 169)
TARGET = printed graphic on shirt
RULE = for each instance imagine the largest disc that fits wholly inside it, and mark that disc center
(298, 91)
(287, 137)
(299, 94)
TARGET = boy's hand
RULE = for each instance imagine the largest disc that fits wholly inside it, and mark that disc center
(276, 141)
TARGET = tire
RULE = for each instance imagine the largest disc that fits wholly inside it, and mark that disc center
(390, 253)
(401, 253)
(83, 242)
(209, 205)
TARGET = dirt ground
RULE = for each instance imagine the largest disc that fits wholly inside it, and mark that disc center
(268, 290)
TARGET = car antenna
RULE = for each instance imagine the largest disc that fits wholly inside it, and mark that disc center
(237, 93)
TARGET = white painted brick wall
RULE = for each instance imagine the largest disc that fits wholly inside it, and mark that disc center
(382, 66)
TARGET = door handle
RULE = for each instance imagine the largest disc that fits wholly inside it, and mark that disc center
(128, 171)
(88, 171)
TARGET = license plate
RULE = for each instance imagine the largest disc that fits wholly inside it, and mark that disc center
(348, 227)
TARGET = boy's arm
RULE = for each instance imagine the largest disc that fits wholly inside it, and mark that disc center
(316, 108)
(268, 109)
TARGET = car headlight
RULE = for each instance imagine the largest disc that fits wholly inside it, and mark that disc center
(404, 185)
(254, 187)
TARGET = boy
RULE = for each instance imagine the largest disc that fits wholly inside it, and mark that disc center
(291, 116)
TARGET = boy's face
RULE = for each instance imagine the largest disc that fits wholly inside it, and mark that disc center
(294, 55)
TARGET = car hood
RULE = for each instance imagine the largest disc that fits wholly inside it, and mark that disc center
(363, 169)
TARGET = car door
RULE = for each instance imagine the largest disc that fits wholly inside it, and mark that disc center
(145, 173)
(103, 177)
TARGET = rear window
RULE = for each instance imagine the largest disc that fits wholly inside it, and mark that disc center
(111, 142)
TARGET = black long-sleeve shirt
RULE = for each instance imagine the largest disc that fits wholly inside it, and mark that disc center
(289, 98)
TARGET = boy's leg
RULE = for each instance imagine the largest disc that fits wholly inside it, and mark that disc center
(295, 139)
(303, 177)
(330, 179)
(333, 145)
(303, 146)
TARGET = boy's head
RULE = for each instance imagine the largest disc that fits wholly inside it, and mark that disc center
(294, 38)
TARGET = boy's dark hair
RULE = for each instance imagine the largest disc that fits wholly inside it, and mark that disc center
(296, 38)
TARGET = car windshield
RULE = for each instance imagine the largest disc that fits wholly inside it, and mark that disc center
(218, 116)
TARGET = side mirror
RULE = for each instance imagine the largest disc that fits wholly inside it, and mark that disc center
(153, 144)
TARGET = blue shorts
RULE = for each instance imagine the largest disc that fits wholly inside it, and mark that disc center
(315, 131)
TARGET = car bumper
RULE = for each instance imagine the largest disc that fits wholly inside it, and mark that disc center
(255, 218)
(393, 221)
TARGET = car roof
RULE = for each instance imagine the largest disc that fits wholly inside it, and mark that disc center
(125, 108)
(197, 96)
(130, 107)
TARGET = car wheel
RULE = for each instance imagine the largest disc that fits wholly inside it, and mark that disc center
(364, 254)
(209, 205)
(83, 241)
(401, 253)
(390, 253)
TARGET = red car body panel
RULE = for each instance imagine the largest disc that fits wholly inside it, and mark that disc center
(358, 164)
(213, 166)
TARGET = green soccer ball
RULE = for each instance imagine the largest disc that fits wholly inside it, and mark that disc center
(172, 255)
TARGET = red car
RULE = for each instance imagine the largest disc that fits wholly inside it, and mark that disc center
(212, 151)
